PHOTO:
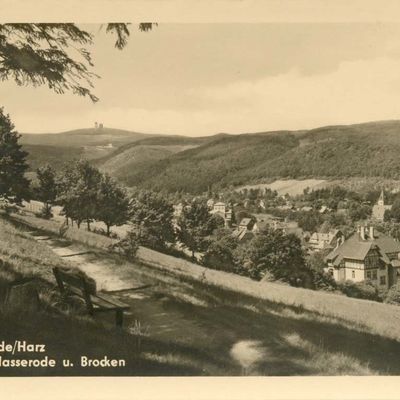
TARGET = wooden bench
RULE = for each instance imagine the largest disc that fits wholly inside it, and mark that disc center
(69, 281)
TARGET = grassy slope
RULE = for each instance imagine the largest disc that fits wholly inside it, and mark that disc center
(375, 317)
(66, 334)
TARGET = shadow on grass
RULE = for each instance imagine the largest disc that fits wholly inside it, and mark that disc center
(199, 338)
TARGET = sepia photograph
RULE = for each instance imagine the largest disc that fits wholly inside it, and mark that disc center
(215, 199)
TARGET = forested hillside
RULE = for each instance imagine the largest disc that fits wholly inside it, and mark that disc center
(362, 150)
(122, 162)
(56, 156)
(179, 163)
(228, 160)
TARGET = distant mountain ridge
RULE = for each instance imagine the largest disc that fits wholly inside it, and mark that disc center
(84, 137)
(193, 164)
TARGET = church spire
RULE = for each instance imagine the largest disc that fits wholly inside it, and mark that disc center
(381, 201)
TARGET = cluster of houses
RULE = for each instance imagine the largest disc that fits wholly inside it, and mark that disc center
(366, 255)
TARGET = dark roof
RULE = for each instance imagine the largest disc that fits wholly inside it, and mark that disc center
(355, 248)
(245, 222)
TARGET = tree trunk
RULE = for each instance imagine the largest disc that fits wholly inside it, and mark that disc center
(192, 255)
(108, 230)
(88, 225)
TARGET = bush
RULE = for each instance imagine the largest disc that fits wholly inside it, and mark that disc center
(393, 295)
(360, 290)
(323, 281)
(128, 246)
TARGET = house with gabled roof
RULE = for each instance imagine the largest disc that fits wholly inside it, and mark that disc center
(366, 255)
(325, 240)
(220, 208)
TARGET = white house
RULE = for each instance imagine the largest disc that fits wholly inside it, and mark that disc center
(366, 255)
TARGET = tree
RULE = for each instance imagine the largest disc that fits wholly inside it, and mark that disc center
(153, 216)
(316, 261)
(87, 190)
(13, 183)
(359, 211)
(112, 203)
(46, 190)
(66, 196)
(219, 254)
(79, 191)
(309, 221)
(394, 213)
(274, 252)
(53, 54)
(195, 225)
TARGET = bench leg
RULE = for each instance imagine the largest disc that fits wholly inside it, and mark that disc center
(119, 318)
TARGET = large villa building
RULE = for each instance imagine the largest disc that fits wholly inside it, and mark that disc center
(366, 255)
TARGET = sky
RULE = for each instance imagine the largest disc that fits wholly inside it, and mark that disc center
(202, 79)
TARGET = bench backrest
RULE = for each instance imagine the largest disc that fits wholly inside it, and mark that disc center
(73, 280)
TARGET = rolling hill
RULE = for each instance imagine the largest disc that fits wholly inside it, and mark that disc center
(137, 155)
(181, 163)
(84, 137)
(336, 152)
(128, 149)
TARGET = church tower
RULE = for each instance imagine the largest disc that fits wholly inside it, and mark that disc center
(381, 201)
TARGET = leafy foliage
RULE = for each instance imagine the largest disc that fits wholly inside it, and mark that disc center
(219, 254)
(46, 191)
(393, 295)
(153, 216)
(360, 290)
(394, 213)
(13, 184)
(53, 54)
(195, 225)
(128, 246)
(274, 252)
(112, 203)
